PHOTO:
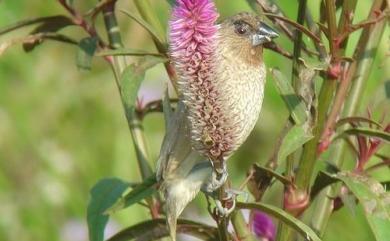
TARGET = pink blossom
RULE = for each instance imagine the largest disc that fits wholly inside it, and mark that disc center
(263, 226)
(192, 43)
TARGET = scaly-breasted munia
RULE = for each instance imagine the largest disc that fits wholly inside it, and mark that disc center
(221, 77)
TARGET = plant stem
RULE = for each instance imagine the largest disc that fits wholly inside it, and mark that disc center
(330, 11)
(309, 154)
(345, 21)
(241, 227)
(285, 232)
(314, 28)
(119, 65)
(359, 71)
(135, 125)
(298, 45)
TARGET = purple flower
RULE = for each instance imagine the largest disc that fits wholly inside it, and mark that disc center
(263, 226)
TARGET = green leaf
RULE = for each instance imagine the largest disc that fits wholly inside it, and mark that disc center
(126, 52)
(131, 80)
(146, 26)
(167, 109)
(49, 26)
(28, 22)
(156, 229)
(87, 48)
(103, 195)
(138, 193)
(323, 180)
(314, 64)
(294, 139)
(293, 102)
(284, 217)
(366, 132)
(357, 119)
(374, 199)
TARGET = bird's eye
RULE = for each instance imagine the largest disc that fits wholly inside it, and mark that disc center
(241, 27)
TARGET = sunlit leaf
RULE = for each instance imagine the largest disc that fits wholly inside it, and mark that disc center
(284, 217)
(104, 194)
(137, 194)
(294, 104)
(87, 48)
(157, 228)
(146, 26)
(374, 199)
(132, 78)
(296, 137)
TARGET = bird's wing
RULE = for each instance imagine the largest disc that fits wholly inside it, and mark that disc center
(176, 147)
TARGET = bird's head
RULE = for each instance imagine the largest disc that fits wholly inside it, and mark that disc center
(245, 33)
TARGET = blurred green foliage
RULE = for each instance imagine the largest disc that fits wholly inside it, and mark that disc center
(61, 129)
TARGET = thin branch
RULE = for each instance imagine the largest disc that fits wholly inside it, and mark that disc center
(296, 25)
(358, 71)
(274, 10)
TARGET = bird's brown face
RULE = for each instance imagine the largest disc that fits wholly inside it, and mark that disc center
(245, 34)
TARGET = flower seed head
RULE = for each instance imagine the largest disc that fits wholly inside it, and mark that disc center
(192, 43)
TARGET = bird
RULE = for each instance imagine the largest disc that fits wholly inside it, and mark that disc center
(221, 77)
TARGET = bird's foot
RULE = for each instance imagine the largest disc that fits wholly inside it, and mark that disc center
(218, 178)
(225, 210)
(226, 206)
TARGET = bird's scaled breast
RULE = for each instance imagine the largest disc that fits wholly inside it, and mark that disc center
(241, 89)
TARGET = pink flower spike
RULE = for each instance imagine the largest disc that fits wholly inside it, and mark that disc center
(193, 37)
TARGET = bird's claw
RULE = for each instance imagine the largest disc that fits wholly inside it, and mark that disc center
(225, 211)
(218, 178)
(229, 202)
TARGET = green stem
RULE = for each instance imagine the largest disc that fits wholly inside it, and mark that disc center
(345, 21)
(330, 12)
(359, 72)
(119, 64)
(241, 227)
(135, 125)
(314, 28)
(309, 154)
(298, 45)
(285, 232)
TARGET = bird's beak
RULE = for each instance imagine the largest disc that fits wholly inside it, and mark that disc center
(264, 34)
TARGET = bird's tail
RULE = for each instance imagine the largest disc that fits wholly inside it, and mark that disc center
(178, 192)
